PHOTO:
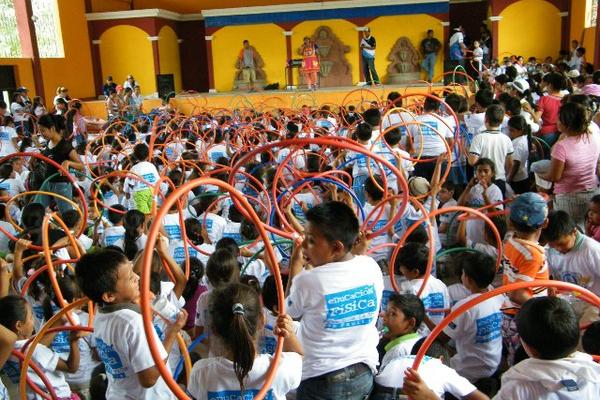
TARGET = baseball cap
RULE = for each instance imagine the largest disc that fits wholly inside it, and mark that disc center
(22, 89)
(520, 85)
(418, 186)
(529, 209)
(573, 74)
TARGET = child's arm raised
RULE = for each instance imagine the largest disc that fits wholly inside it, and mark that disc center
(4, 278)
(162, 247)
(285, 328)
(7, 341)
(20, 247)
(71, 365)
(466, 194)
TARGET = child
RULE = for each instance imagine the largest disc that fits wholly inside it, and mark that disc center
(72, 220)
(107, 278)
(403, 317)
(481, 191)
(518, 175)
(8, 182)
(338, 301)
(549, 332)
(270, 311)
(360, 171)
(477, 57)
(592, 225)
(525, 260)
(112, 234)
(412, 263)
(140, 191)
(134, 238)
(477, 332)
(237, 320)
(193, 289)
(574, 258)
(16, 314)
(379, 217)
(446, 198)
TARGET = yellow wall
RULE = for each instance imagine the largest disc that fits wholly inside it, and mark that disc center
(124, 50)
(269, 41)
(168, 50)
(578, 30)
(529, 28)
(344, 30)
(75, 70)
(414, 27)
(23, 72)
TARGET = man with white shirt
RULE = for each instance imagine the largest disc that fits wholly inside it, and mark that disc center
(367, 46)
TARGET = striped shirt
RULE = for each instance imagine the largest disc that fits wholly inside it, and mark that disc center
(526, 263)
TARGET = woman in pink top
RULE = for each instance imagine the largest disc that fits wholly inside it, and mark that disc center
(548, 107)
(574, 165)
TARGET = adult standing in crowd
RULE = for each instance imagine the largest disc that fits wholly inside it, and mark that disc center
(108, 85)
(457, 45)
(430, 46)
(368, 45)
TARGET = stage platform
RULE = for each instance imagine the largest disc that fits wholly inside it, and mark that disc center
(190, 103)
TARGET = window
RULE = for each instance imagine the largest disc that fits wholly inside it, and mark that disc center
(47, 28)
(10, 45)
(591, 13)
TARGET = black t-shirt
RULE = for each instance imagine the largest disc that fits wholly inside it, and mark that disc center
(59, 154)
(430, 45)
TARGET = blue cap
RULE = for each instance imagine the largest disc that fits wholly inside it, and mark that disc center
(529, 209)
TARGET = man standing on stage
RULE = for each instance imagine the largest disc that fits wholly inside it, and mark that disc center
(368, 44)
(429, 49)
(247, 65)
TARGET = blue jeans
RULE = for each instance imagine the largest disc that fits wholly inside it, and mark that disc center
(369, 70)
(428, 64)
(354, 382)
(62, 188)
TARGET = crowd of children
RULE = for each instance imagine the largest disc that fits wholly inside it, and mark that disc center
(347, 334)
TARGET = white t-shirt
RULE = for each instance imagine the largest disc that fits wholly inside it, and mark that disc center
(217, 151)
(232, 230)
(438, 377)
(140, 242)
(144, 170)
(215, 225)
(580, 266)
(172, 226)
(123, 348)
(478, 338)
(5, 240)
(446, 218)
(86, 360)
(521, 154)
(111, 235)
(399, 347)
(476, 227)
(434, 296)
(377, 224)
(544, 379)
(457, 292)
(177, 250)
(493, 145)
(457, 37)
(339, 305)
(7, 134)
(214, 378)
(430, 134)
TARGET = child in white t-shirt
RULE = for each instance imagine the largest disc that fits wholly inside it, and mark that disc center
(141, 191)
(477, 56)
(412, 263)
(477, 332)
(8, 181)
(16, 314)
(237, 321)
(114, 232)
(107, 278)
(358, 161)
(378, 216)
(337, 294)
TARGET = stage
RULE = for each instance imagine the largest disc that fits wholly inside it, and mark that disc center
(192, 103)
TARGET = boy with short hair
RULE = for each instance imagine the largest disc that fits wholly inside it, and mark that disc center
(549, 332)
(526, 261)
(412, 263)
(338, 301)
(477, 332)
(115, 232)
(107, 278)
(358, 161)
(139, 190)
(574, 258)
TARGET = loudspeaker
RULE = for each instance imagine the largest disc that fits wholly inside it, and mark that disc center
(165, 85)
(7, 77)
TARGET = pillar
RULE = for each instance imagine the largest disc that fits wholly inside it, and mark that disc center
(97, 66)
(445, 40)
(155, 54)
(361, 72)
(289, 56)
(209, 60)
(29, 47)
(565, 30)
(495, 20)
(597, 43)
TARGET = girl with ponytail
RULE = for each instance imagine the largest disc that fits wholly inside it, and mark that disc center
(520, 133)
(237, 321)
(135, 238)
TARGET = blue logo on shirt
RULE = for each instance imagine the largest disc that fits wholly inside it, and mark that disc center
(268, 345)
(112, 239)
(353, 307)
(111, 359)
(237, 395)
(173, 231)
(488, 328)
(150, 178)
(12, 371)
(235, 236)
(434, 301)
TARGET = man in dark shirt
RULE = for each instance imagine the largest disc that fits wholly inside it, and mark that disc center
(367, 46)
(429, 49)
(108, 86)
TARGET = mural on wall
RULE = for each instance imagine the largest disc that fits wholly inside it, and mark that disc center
(404, 62)
(261, 77)
(335, 68)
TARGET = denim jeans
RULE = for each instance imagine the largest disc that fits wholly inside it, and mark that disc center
(369, 70)
(61, 188)
(344, 384)
(428, 64)
(380, 395)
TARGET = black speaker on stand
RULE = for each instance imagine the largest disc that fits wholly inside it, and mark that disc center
(165, 85)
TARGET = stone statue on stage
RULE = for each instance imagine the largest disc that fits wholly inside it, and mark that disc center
(404, 62)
